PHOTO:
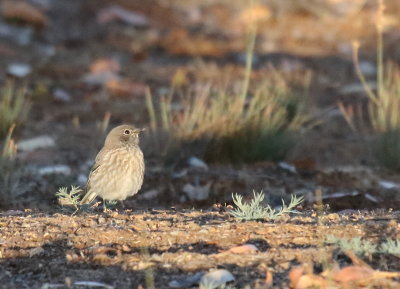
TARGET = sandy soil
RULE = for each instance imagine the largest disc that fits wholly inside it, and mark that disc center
(132, 249)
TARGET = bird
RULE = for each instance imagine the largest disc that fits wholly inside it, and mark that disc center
(119, 167)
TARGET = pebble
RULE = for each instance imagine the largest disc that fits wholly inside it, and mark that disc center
(61, 95)
(216, 278)
(55, 169)
(19, 70)
(287, 167)
(197, 163)
(35, 143)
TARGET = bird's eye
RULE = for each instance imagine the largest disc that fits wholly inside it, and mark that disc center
(127, 131)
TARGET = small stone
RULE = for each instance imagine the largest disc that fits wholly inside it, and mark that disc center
(287, 167)
(197, 163)
(216, 278)
(388, 184)
(19, 70)
(55, 170)
(116, 12)
(61, 95)
(35, 143)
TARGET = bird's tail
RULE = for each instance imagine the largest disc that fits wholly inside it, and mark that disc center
(88, 198)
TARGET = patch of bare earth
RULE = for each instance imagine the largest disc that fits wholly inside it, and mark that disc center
(129, 249)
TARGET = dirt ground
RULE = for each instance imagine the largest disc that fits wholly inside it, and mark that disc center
(132, 249)
(167, 235)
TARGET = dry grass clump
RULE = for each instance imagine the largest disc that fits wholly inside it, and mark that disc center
(10, 173)
(14, 106)
(235, 121)
(384, 101)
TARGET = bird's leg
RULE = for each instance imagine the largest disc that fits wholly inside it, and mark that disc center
(122, 204)
(104, 206)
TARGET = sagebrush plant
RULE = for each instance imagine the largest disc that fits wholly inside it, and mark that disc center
(256, 211)
(390, 247)
(357, 245)
(14, 106)
(69, 197)
(362, 247)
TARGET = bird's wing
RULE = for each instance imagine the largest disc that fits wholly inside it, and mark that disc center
(90, 196)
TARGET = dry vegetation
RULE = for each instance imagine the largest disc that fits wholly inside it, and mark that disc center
(234, 123)
(289, 98)
(138, 249)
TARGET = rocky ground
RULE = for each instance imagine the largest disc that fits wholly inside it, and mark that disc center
(165, 248)
(86, 66)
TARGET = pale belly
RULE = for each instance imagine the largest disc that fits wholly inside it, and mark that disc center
(119, 175)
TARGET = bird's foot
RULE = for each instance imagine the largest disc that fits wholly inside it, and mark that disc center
(109, 205)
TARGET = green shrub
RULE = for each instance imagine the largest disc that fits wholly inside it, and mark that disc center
(255, 211)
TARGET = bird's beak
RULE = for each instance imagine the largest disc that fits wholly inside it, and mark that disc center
(139, 130)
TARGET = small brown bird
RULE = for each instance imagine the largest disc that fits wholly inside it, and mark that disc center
(119, 166)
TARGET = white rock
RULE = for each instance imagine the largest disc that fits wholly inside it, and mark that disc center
(116, 12)
(35, 143)
(55, 169)
(287, 167)
(19, 69)
(216, 278)
(61, 95)
(388, 184)
(197, 163)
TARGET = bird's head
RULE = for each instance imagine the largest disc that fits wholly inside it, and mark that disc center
(123, 135)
